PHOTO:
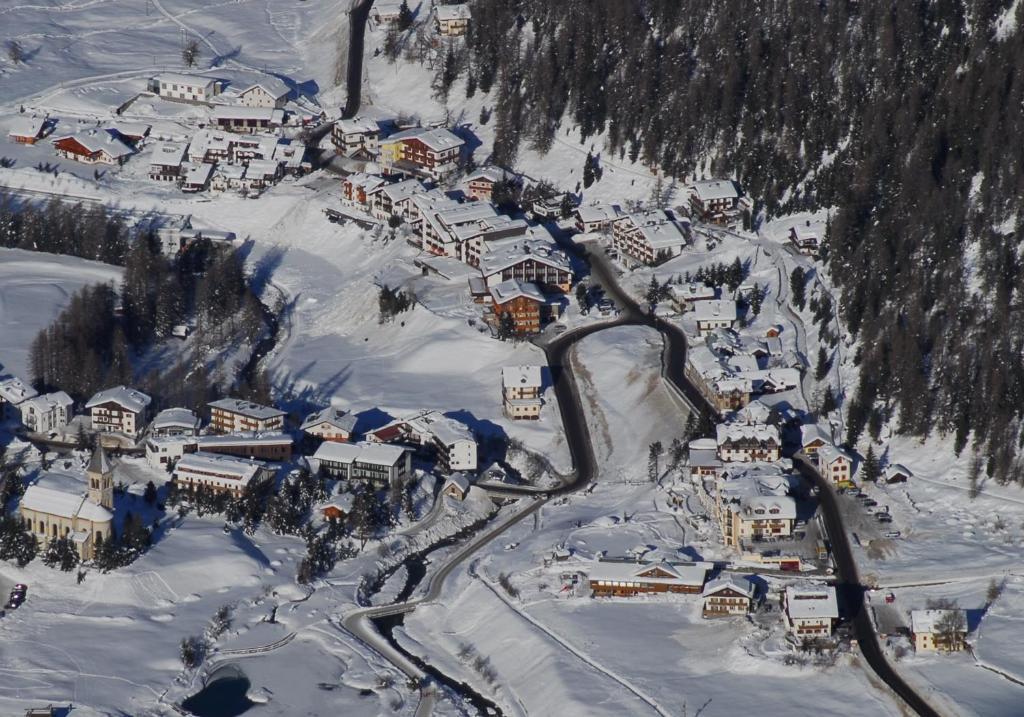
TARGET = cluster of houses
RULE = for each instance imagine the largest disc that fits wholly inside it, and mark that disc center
(523, 275)
(729, 367)
(809, 610)
(238, 149)
(650, 237)
(222, 160)
(109, 143)
(265, 105)
(450, 20)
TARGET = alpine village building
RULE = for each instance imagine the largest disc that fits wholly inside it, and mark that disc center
(432, 152)
(119, 410)
(727, 597)
(55, 507)
(232, 415)
(609, 578)
(520, 392)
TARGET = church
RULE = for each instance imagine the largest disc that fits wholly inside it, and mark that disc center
(56, 506)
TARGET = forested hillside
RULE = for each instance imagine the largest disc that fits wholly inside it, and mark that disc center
(905, 117)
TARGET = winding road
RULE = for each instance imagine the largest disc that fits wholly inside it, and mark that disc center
(851, 592)
(585, 469)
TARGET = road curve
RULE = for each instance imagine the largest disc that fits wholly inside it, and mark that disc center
(851, 592)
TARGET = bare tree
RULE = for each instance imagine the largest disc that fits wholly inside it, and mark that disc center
(190, 53)
(15, 52)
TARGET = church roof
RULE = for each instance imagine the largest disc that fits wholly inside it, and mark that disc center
(99, 463)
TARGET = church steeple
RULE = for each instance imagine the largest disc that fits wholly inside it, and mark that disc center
(101, 479)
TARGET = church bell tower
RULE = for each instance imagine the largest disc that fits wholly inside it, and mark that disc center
(100, 474)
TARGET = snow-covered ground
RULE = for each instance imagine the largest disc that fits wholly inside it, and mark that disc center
(552, 649)
(34, 287)
(552, 653)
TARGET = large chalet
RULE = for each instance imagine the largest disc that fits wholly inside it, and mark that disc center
(119, 410)
(647, 237)
(92, 147)
(744, 443)
(431, 152)
(232, 415)
(718, 201)
(627, 579)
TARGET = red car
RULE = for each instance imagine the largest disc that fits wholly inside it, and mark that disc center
(890, 598)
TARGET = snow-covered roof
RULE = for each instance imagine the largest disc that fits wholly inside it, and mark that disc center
(273, 86)
(247, 408)
(597, 213)
(366, 182)
(99, 462)
(168, 154)
(181, 79)
(198, 174)
(244, 439)
(488, 174)
(767, 507)
(230, 172)
(96, 141)
(400, 190)
(514, 288)
(695, 291)
(130, 130)
(383, 454)
(338, 452)
(175, 418)
(740, 585)
(63, 503)
(332, 416)
(711, 189)
(438, 139)
(728, 432)
(925, 622)
(512, 253)
(428, 423)
(715, 310)
(218, 466)
(704, 458)
(342, 502)
(347, 453)
(238, 112)
(811, 602)
(460, 480)
(447, 13)
(26, 126)
(830, 454)
(261, 168)
(897, 469)
(358, 125)
(755, 412)
(811, 432)
(44, 403)
(521, 376)
(129, 398)
(13, 390)
(691, 574)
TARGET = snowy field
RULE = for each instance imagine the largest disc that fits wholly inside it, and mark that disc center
(34, 287)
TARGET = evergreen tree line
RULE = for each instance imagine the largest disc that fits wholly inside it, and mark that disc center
(87, 231)
(93, 342)
(917, 107)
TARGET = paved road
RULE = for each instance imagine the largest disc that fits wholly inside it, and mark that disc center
(358, 16)
(851, 593)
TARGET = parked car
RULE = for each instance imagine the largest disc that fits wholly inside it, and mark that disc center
(890, 598)
(892, 534)
(869, 503)
(883, 517)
